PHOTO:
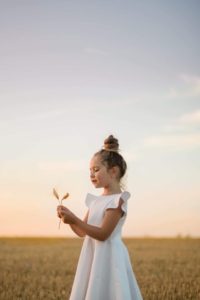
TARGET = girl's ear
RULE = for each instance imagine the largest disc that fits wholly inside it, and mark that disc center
(115, 172)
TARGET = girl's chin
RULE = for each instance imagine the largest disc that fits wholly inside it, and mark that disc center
(96, 185)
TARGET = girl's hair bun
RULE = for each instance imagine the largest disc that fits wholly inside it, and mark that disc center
(111, 143)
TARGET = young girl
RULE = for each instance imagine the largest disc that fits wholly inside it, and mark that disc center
(104, 269)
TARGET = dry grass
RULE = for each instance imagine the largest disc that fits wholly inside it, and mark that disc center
(43, 268)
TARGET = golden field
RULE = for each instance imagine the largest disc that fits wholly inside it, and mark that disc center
(44, 268)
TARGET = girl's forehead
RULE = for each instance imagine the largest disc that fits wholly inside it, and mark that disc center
(95, 160)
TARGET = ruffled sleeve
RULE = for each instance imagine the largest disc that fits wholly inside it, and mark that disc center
(114, 202)
(89, 200)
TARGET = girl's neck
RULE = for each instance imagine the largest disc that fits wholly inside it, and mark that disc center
(112, 190)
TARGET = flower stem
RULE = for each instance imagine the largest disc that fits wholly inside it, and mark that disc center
(60, 218)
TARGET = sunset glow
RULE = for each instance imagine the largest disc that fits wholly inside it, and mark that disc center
(74, 72)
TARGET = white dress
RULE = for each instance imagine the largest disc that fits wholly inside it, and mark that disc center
(104, 270)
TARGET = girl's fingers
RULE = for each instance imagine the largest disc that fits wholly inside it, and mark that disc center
(61, 207)
(61, 211)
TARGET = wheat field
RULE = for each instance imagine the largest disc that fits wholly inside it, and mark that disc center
(44, 268)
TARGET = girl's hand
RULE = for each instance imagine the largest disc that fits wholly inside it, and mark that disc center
(65, 214)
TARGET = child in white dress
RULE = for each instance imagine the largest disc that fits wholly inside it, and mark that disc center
(104, 270)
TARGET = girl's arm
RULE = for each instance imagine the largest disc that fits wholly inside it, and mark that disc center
(108, 225)
(110, 220)
(78, 230)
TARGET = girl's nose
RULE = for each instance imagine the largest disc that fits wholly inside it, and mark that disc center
(91, 174)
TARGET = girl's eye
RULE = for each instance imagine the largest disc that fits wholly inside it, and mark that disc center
(96, 170)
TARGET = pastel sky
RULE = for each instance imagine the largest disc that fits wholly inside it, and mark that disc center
(73, 72)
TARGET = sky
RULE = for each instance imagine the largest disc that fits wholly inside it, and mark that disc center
(74, 72)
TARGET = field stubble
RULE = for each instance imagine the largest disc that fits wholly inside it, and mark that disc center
(44, 268)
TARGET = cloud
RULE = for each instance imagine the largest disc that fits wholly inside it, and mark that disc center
(182, 133)
(191, 118)
(33, 117)
(186, 122)
(55, 166)
(44, 115)
(189, 87)
(175, 142)
(190, 79)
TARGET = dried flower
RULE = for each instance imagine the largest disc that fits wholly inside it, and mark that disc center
(55, 193)
(60, 201)
(65, 196)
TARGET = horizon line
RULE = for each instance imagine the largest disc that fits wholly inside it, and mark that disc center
(178, 236)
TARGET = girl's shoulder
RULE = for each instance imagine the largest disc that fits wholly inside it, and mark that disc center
(90, 198)
(125, 195)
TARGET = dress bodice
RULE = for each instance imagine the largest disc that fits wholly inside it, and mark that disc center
(99, 204)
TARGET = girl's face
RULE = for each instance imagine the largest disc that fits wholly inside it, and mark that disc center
(99, 175)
